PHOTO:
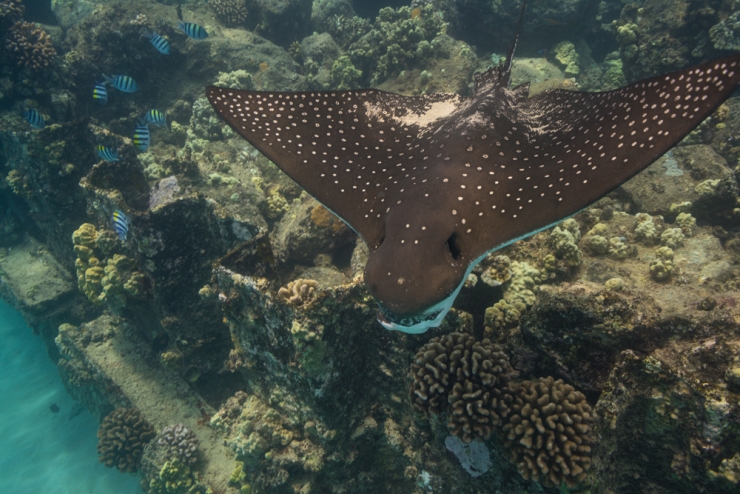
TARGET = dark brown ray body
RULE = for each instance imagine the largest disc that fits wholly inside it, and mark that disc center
(432, 183)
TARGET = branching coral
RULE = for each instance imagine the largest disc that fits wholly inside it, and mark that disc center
(30, 46)
(466, 376)
(10, 11)
(548, 432)
(298, 292)
(230, 12)
(344, 75)
(122, 437)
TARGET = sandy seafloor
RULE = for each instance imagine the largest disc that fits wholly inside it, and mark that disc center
(44, 452)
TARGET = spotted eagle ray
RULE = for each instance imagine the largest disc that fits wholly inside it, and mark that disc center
(434, 183)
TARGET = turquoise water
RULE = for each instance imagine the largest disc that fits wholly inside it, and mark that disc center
(40, 451)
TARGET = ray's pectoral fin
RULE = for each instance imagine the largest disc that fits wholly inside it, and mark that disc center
(597, 141)
(345, 148)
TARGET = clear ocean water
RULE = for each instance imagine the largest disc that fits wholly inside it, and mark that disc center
(42, 451)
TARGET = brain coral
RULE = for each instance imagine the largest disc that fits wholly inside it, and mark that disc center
(230, 12)
(179, 443)
(548, 432)
(466, 376)
(122, 437)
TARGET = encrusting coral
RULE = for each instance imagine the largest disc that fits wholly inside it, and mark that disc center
(467, 377)
(548, 432)
(109, 281)
(122, 436)
(174, 478)
(298, 292)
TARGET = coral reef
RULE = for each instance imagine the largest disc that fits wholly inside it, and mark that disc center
(122, 437)
(548, 432)
(647, 331)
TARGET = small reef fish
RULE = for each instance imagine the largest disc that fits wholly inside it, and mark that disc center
(157, 118)
(195, 31)
(100, 93)
(141, 135)
(179, 11)
(161, 44)
(34, 118)
(120, 223)
(107, 154)
(123, 83)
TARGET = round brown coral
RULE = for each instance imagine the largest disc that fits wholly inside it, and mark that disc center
(548, 432)
(457, 373)
(122, 437)
(230, 12)
(30, 46)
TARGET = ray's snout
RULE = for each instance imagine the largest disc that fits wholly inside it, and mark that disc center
(417, 266)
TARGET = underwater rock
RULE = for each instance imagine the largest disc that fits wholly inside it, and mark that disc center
(319, 51)
(308, 229)
(671, 179)
(283, 21)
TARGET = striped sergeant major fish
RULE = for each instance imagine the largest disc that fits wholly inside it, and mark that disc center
(100, 93)
(34, 118)
(157, 118)
(123, 83)
(195, 31)
(161, 44)
(121, 223)
(106, 154)
(141, 135)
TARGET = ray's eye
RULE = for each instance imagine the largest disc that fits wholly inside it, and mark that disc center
(454, 247)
